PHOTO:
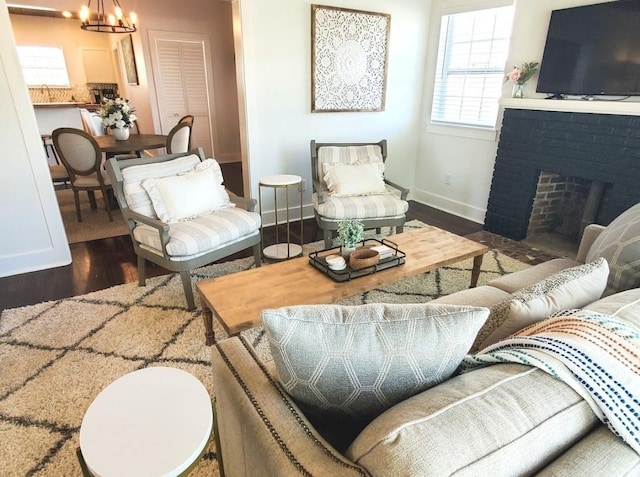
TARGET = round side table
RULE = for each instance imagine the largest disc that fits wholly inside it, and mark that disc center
(155, 421)
(284, 250)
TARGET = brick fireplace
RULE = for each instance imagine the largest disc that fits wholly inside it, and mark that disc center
(598, 154)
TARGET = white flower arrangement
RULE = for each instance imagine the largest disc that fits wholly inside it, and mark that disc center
(116, 113)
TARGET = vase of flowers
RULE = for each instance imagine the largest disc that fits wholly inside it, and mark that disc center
(519, 76)
(350, 232)
(118, 116)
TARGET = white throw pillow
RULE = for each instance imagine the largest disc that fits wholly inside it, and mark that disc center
(352, 180)
(185, 196)
(571, 288)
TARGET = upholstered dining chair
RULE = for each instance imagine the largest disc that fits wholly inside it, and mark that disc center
(82, 158)
(91, 122)
(179, 138)
(187, 119)
(180, 216)
(59, 174)
(349, 183)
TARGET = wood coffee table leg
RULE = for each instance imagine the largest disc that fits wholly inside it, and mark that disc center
(475, 271)
(207, 317)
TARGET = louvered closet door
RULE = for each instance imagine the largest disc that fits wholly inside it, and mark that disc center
(183, 87)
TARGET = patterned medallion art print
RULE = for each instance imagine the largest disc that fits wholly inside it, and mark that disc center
(348, 59)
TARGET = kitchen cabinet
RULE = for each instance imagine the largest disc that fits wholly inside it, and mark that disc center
(98, 65)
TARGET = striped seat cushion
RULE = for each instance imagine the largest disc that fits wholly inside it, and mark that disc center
(203, 234)
(136, 196)
(361, 207)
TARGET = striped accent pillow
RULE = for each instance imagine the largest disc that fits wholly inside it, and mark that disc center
(137, 198)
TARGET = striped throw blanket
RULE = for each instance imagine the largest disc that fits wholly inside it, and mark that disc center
(597, 355)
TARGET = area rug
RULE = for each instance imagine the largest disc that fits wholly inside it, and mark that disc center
(55, 357)
(95, 223)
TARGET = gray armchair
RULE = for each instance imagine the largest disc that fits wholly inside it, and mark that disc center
(185, 243)
(384, 208)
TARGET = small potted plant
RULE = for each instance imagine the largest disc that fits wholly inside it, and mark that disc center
(349, 234)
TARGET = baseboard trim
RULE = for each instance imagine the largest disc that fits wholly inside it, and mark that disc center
(466, 211)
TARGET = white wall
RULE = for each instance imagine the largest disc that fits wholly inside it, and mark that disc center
(32, 235)
(467, 157)
(277, 62)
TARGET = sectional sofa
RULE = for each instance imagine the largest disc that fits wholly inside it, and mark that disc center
(495, 415)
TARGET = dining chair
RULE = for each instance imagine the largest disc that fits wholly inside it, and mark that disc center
(81, 156)
(59, 174)
(91, 122)
(179, 138)
(186, 119)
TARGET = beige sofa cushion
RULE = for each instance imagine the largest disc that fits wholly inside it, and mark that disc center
(599, 453)
(512, 282)
(497, 417)
(624, 305)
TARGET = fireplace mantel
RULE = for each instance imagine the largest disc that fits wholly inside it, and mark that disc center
(574, 105)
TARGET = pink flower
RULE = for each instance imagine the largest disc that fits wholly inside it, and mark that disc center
(514, 76)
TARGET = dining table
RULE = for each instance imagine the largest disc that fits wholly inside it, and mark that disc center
(136, 143)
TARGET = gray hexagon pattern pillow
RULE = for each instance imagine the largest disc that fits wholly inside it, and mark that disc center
(619, 244)
(351, 363)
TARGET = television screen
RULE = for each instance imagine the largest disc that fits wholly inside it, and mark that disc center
(593, 50)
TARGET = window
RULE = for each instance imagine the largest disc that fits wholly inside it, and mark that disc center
(43, 65)
(470, 68)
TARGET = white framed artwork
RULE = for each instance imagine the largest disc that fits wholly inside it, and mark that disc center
(348, 59)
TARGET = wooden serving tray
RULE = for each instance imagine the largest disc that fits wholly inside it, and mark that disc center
(318, 260)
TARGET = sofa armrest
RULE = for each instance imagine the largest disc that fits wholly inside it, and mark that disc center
(590, 234)
(260, 430)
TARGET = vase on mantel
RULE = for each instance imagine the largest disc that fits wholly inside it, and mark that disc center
(121, 134)
(517, 91)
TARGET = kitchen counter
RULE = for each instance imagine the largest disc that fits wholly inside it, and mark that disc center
(51, 116)
(66, 105)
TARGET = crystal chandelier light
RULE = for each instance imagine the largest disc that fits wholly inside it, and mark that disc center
(103, 22)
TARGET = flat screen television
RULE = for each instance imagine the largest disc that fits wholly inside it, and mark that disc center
(593, 50)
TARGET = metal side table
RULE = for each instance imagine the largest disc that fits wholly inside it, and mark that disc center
(282, 250)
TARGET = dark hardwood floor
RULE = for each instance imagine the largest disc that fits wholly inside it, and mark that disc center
(100, 264)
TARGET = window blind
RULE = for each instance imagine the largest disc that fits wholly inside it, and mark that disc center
(470, 67)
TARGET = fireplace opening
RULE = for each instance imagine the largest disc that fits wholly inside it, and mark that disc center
(562, 207)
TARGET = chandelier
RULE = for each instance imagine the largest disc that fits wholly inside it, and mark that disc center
(102, 22)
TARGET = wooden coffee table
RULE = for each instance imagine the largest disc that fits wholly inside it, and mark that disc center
(238, 299)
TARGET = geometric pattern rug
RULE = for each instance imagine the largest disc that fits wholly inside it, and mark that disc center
(55, 357)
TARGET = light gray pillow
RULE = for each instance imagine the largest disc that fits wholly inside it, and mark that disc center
(619, 244)
(353, 362)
